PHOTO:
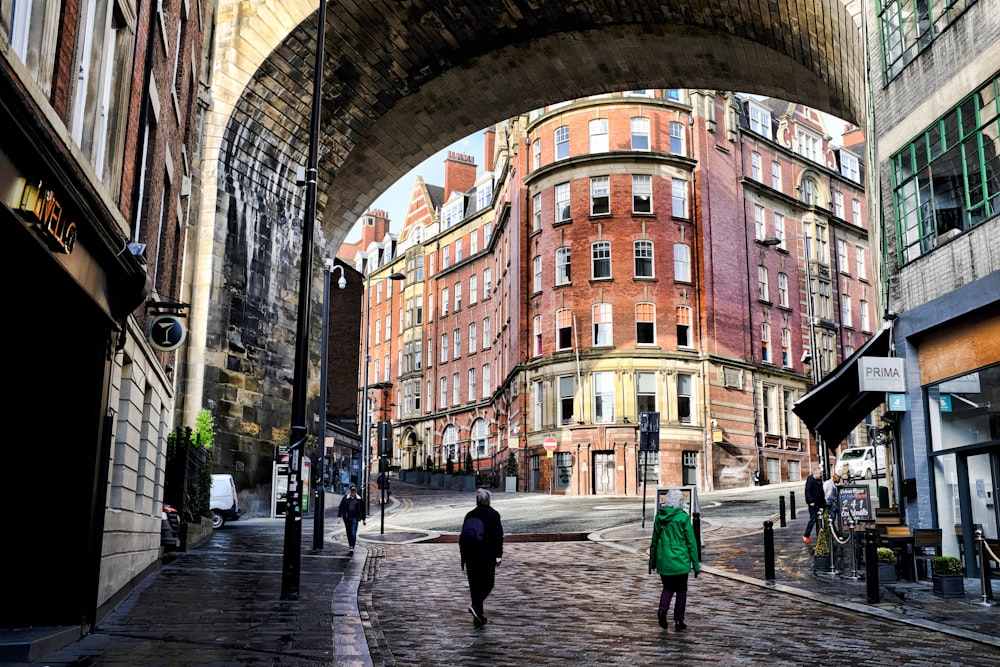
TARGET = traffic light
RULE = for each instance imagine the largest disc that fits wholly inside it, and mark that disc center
(385, 438)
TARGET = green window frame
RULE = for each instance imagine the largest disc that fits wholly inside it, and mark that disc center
(907, 27)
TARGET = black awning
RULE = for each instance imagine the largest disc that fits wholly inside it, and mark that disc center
(836, 405)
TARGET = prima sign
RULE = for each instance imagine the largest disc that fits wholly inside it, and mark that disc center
(881, 374)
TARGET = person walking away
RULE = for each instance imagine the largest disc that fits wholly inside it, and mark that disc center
(831, 494)
(383, 488)
(673, 553)
(815, 500)
(351, 511)
(481, 547)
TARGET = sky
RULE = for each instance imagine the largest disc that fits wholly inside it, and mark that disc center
(396, 199)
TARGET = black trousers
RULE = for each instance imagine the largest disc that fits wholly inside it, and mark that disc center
(482, 576)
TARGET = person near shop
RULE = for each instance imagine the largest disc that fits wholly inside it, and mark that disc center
(481, 548)
(815, 501)
(673, 553)
(351, 511)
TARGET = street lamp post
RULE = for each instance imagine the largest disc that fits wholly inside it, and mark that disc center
(816, 358)
(292, 553)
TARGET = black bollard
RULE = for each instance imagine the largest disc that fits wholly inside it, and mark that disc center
(769, 550)
(696, 524)
(781, 510)
(791, 504)
(984, 570)
(871, 566)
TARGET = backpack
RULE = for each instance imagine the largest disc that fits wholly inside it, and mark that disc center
(472, 539)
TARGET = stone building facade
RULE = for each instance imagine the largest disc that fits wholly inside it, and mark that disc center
(100, 109)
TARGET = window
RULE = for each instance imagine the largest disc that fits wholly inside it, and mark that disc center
(779, 228)
(845, 310)
(487, 283)
(536, 213)
(682, 262)
(376, 370)
(642, 194)
(430, 356)
(453, 212)
(842, 256)
(458, 251)
(536, 273)
(538, 405)
(903, 32)
(859, 261)
(600, 195)
(472, 337)
(385, 368)
(472, 385)
(808, 145)
(838, 204)
(536, 347)
(850, 166)
(444, 347)
(863, 310)
(445, 301)
(676, 138)
(600, 256)
(643, 259)
(765, 342)
(456, 390)
(474, 242)
(378, 331)
(536, 154)
(645, 324)
(562, 202)
(486, 380)
(645, 391)
(856, 211)
(378, 293)
(685, 386)
(562, 266)
(446, 257)
(599, 135)
(458, 297)
(444, 392)
(564, 329)
(683, 315)
(768, 394)
(457, 344)
(604, 397)
(759, 226)
(678, 193)
(763, 291)
(562, 143)
(566, 391)
(640, 134)
(673, 94)
(486, 333)
(783, 290)
(810, 192)
(786, 348)
(479, 435)
(755, 166)
(791, 421)
(602, 324)
(473, 289)
(776, 175)
(760, 120)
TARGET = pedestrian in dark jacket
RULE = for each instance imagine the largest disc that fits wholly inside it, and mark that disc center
(815, 500)
(673, 553)
(481, 547)
(352, 510)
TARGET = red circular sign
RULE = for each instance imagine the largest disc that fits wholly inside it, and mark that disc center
(549, 444)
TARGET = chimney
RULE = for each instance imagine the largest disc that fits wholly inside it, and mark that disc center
(489, 148)
(852, 136)
(374, 226)
(459, 173)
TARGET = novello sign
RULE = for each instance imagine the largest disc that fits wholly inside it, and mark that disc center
(45, 213)
(881, 374)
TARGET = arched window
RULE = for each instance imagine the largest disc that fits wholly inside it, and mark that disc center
(449, 442)
(479, 438)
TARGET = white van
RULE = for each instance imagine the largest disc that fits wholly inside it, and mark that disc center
(225, 504)
(858, 462)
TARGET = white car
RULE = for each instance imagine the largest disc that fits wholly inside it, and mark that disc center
(858, 462)
(225, 503)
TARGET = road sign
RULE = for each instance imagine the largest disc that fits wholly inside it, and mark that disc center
(549, 444)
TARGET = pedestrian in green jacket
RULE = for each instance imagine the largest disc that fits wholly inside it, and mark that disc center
(673, 553)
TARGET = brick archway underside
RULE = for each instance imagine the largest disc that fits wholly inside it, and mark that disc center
(404, 79)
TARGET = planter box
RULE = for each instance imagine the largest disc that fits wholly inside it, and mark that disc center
(436, 478)
(949, 585)
(886, 573)
(510, 484)
(446, 481)
(821, 563)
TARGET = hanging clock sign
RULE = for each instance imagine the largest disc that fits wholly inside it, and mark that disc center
(167, 332)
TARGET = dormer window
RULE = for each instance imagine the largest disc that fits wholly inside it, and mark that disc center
(760, 120)
(850, 166)
(453, 212)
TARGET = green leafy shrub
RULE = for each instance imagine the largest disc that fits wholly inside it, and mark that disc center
(511, 465)
(822, 548)
(946, 565)
(886, 555)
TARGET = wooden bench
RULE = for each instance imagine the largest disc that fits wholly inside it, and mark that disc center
(926, 546)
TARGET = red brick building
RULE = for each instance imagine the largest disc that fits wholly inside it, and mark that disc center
(642, 252)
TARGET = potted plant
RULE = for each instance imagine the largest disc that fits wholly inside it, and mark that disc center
(886, 564)
(511, 476)
(821, 553)
(948, 576)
